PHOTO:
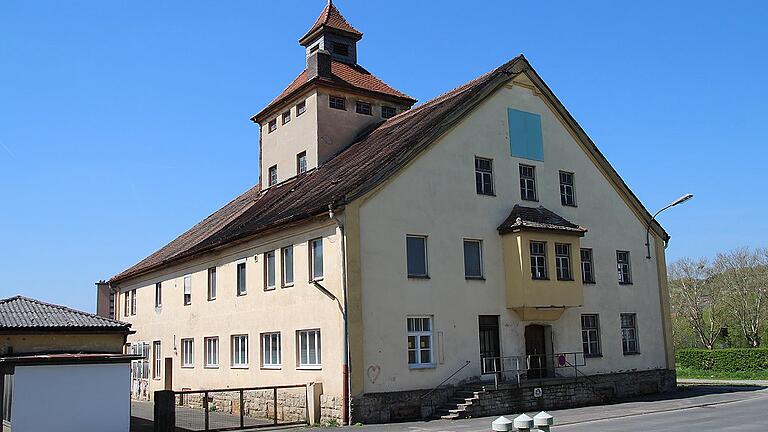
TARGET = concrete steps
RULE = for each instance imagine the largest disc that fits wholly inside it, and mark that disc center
(456, 407)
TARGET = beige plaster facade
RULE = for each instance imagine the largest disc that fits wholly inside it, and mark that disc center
(62, 342)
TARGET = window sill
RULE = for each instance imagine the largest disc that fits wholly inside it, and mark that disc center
(187, 304)
(211, 367)
(540, 279)
(290, 285)
(212, 299)
(589, 282)
(310, 367)
(269, 289)
(487, 194)
(566, 280)
(239, 367)
(632, 353)
(593, 355)
(476, 278)
(157, 378)
(568, 205)
(241, 294)
(625, 283)
(418, 277)
(530, 200)
(422, 366)
(317, 279)
(187, 367)
(272, 367)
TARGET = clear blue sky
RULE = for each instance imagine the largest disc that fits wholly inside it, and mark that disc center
(124, 123)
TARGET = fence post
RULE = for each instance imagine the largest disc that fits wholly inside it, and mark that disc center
(205, 407)
(275, 393)
(242, 407)
(165, 411)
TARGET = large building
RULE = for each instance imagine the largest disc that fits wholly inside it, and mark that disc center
(388, 246)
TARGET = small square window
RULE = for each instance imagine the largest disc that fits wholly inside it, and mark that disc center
(387, 112)
(286, 117)
(301, 107)
(336, 102)
(363, 108)
(272, 126)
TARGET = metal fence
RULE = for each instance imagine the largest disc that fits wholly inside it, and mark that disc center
(240, 408)
(531, 367)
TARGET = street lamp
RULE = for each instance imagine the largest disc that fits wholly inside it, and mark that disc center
(680, 200)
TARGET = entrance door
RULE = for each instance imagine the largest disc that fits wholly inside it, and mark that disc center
(536, 350)
(490, 348)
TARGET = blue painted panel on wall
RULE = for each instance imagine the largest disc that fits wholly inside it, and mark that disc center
(525, 135)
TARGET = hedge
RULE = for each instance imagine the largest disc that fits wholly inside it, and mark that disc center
(723, 360)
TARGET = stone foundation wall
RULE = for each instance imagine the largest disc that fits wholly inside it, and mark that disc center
(398, 406)
(331, 409)
(291, 404)
(555, 394)
(558, 394)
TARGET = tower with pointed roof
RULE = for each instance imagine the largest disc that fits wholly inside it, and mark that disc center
(328, 105)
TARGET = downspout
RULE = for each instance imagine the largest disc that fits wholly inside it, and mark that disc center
(346, 382)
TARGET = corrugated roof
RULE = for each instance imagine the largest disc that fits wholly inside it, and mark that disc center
(21, 312)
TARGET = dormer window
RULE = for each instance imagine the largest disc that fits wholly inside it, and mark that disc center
(363, 108)
(336, 102)
(286, 117)
(272, 126)
(341, 49)
(387, 112)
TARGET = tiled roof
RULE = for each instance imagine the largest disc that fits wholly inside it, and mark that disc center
(330, 17)
(373, 158)
(357, 169)
(23, 313)
(344, 75)
(537, 218)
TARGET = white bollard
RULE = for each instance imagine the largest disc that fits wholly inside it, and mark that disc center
(523, 423)
(501, 424)
(543, 421)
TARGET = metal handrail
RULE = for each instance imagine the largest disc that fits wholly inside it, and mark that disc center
(445, 380)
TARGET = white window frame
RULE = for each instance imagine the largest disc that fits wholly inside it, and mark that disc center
(211, 352)
(303, 345)
(272, 175)
(312, 269)
(140, 367)
(270, 265)
(239, 351)
(286, 117)
(418, 334)
(301, 162)
(272, 126)
(629, 335)
(284, 274)
(528, 183)
(188, 352)
(241, 283)
(157, 353)
(301, 108)
(158, 294)
(538, 261)
(624, 267)
(212, 275)
(563, 262)
(590, 336)
(269, 343)
(567, 188)
(133, 301)
(187, 290)
(480, 176)
(479, 257)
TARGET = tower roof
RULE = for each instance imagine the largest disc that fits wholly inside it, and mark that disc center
(330, 19)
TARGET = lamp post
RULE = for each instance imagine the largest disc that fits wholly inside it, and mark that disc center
(680, 200)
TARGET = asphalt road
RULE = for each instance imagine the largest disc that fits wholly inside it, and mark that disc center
(694, 408)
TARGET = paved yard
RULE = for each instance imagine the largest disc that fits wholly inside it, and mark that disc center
(695, 407)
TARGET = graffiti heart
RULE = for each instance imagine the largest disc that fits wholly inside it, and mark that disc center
(373, 372)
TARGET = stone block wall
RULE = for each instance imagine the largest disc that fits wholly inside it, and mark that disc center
(398, 406)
